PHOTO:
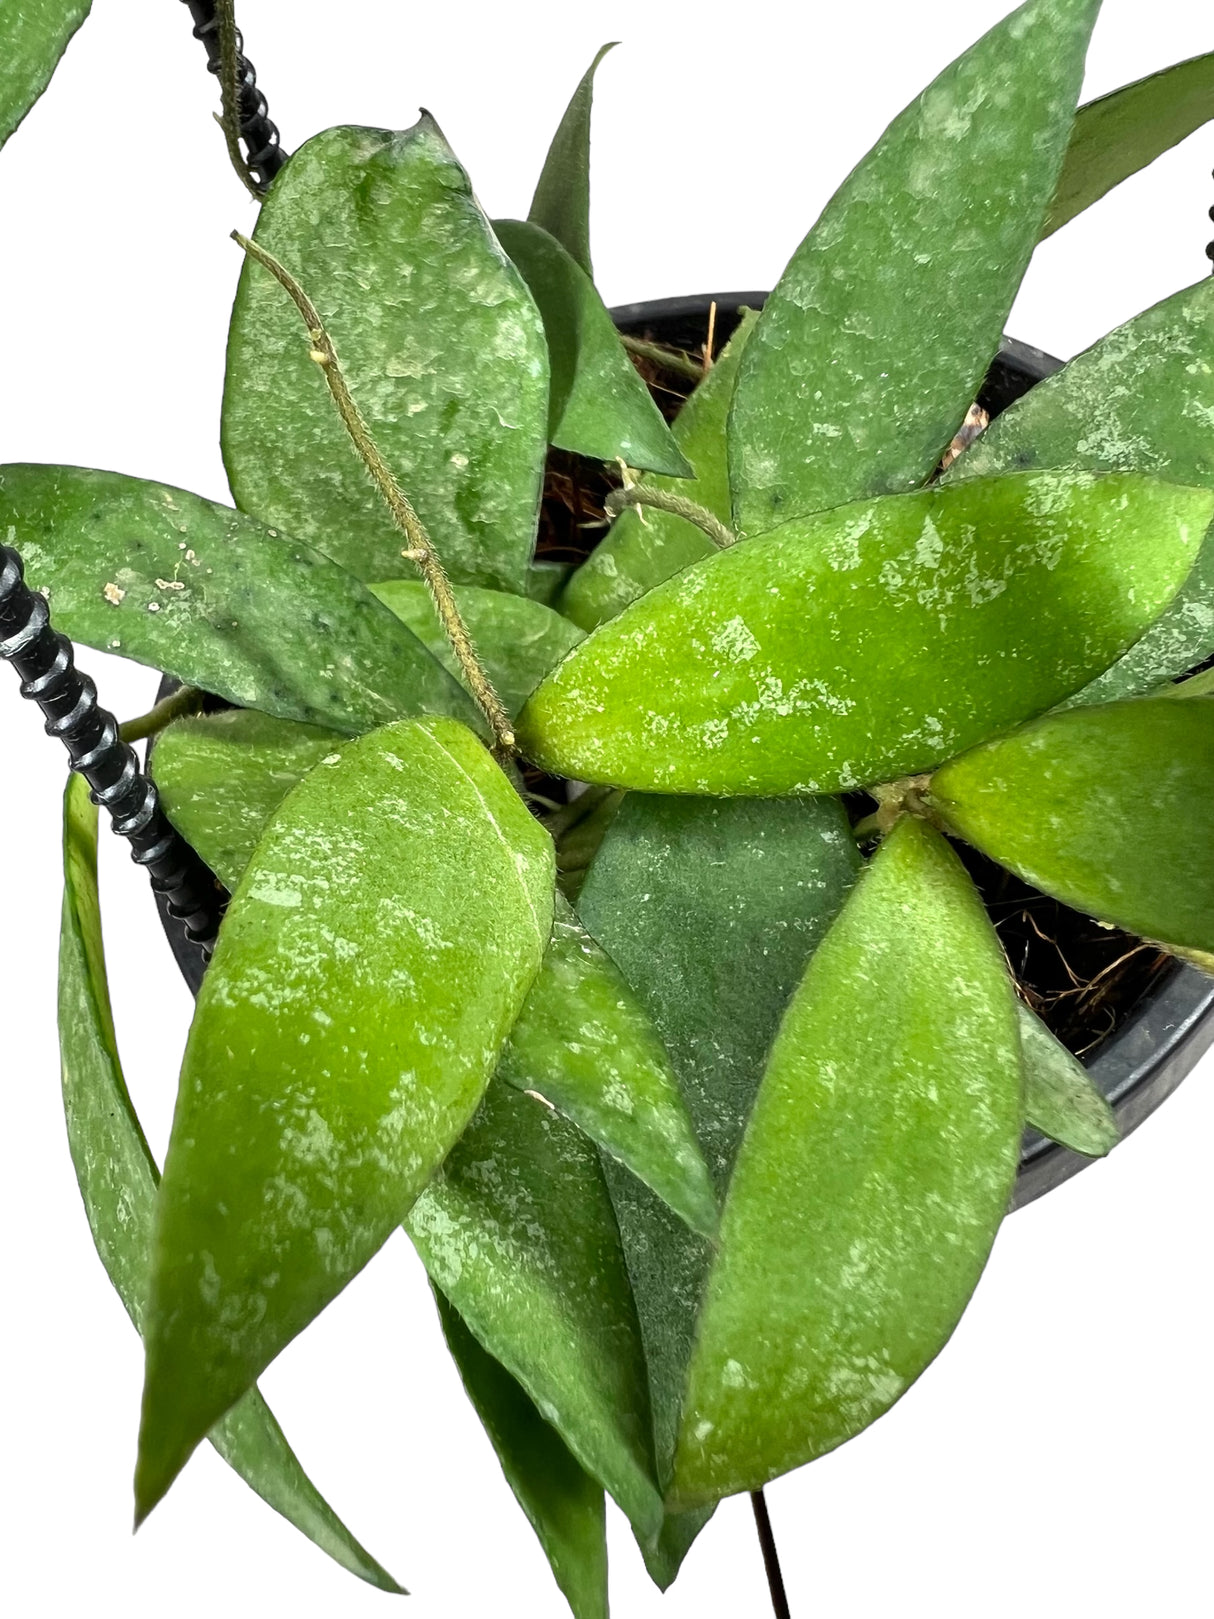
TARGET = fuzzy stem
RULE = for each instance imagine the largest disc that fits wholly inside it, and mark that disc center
(420, 548)
(682, 365)
(229, 92)
(177, 705)
(641, 495)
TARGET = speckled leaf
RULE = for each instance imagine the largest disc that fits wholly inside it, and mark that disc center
(387, 929)
(195, 589)
(222, 776)
(519, 640)
(1109, 809)
(875, 1171)
(439, 340)
(561, 204)
(638, 553)
(873, 344)
(1140, 400)
(869, 642)
(1060, 1098)
(711, 909)
(1122, 132)
(563, 1503)
(581, 1041)
(33, 36)
(598, 406)
(518, 1233)
(118, 1176)
(586, 1046)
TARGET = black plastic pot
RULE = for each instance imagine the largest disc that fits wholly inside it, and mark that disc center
(1171, 1028)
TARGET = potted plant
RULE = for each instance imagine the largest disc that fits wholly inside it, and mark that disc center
(611, 923)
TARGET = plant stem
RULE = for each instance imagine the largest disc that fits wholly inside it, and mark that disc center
(229, 92)
(177, 705)
(420, 548)
(641, 495)
(671, 359)
(771, 1557)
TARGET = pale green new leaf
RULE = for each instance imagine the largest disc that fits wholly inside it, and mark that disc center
(869, 642)
(1122, 132)
(33, 36)
(518, 1233)
(118, 1177)
(561, 204)
(1109, 809)
(1060, 1098)
(875, 1171)
(598, 405)
(873, 344)
(563, 1503)
(217, 600)
(641, 550)
(374, 958)
(1140, 400)
(438, 338)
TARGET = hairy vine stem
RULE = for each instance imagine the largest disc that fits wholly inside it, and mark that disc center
(420, 548)
(682, 365)
(639, 494)
(179, 704)
(229, 91)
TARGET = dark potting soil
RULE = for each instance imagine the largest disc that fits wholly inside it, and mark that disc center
(1082, 978)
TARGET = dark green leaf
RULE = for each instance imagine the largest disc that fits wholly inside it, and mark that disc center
(563, 1503)
(1109, 809)
(874, 1174)
(518, 1233)
(711, 909)
(873, 344)
(386, 931)
(175, 581)
(869, 642)
(1140, 400)
(118, 1177)
(1060, 1099)
(561, 204)
(519, 640)
(221, 777)
(585, 1045)
(439, 340)
(1123, 132)
(35, 34)
(640, 552)
(598, 405)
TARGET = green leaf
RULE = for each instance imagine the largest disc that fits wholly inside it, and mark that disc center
(711, 909)
(561, 204)
(869, 642)
(598, 405)
(1109, 809)
(517, 1232)
(197, 590)
(519, 640)
(641, 551)
(1121, 133)
(118, 1178)
(222, 776)
(875, 1171)
(584, 1044)
(35, 35)
(439, 340)
(563, 1503)
(1060, 1098)
(386, 932)
(1201, 685)
(871, 348)
(1140, 400)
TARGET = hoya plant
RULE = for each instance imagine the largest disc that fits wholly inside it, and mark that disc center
(607, 917)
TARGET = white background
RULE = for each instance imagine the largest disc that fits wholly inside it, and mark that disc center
(1055, 1460)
